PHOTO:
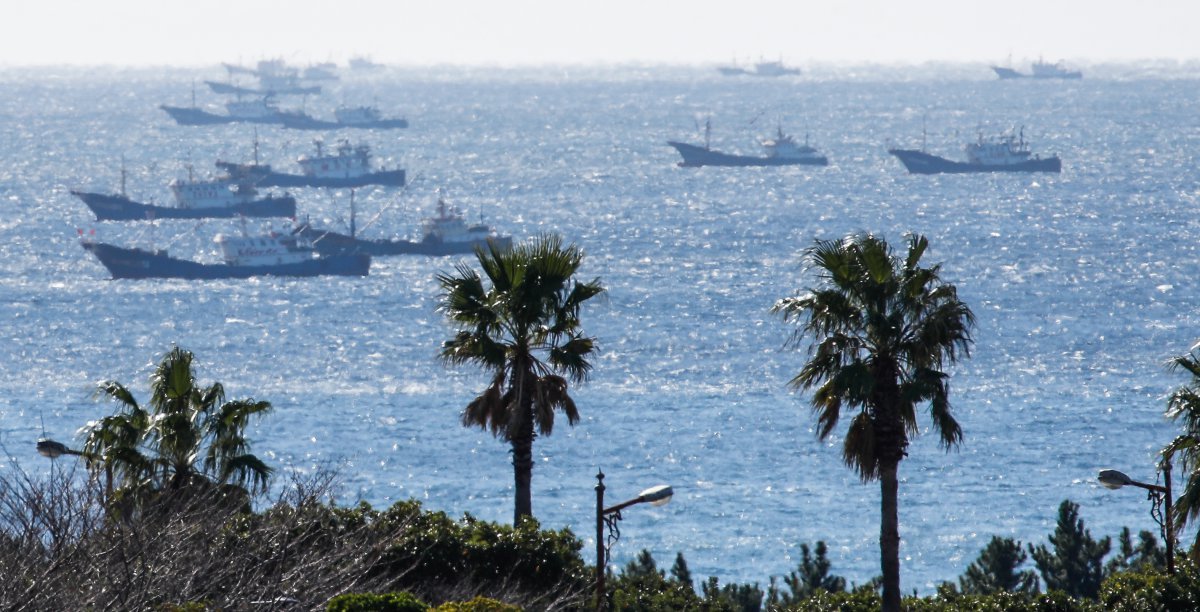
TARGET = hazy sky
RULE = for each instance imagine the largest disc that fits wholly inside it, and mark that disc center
(521, 32)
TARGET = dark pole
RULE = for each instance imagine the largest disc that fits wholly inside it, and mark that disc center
(600, 562)
(1169, 520)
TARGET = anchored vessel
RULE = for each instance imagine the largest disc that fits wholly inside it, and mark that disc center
(1040, 70)
(1006, 153)
(445, 234)
(260, 110)
(244, 256)
(223, 197)
(347, 166)
(766, 68)
(781, 151)
(264, 110)
(366, 117)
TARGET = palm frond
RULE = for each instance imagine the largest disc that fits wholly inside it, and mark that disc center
(878, 329)
(859, 447)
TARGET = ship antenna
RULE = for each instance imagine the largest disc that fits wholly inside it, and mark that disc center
(255, 146)
(923, 134)
(707, 133)
(123, 173)
(352, 228)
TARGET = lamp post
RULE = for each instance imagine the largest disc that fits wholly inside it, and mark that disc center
(655, 496)
(1113, 479)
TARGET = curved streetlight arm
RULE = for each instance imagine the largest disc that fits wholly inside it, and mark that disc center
(655, 495)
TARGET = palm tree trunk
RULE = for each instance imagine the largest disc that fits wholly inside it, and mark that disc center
(889, 533)
(522, 448)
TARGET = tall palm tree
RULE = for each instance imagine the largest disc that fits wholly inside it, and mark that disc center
(189, 436)
(523, 327)
(880, 330)
(1184, 406)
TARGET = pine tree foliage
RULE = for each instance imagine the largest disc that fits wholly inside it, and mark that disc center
(997, 570)
(1074, 561)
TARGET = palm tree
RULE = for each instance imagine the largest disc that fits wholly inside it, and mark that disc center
(189, 437)
(880, 328)
(1184, 406)
(524, 329)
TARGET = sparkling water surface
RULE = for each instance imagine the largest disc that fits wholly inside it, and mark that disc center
(1083, 283)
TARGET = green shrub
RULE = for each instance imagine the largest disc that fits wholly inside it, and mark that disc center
(479, 604)
(438, 549)
(376, 602)
(1153, 590)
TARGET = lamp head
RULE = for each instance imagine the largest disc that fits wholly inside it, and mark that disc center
(658, 495)
(51, 448)
(1114, 479)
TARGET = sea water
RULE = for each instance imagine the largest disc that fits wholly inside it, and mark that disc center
(1083, 283)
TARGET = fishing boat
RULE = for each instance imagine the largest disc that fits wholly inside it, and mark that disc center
(445, 234)
(270, 254)
(1004, 153)
(1039, 70)
(782, 150)
(194, 199)
(274, 77)
(259, 110)
(362, 62)
(763, 68)
(347, 166)
(365, 117)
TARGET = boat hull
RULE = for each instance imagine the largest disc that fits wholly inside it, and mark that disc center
(195, 116)
(1007, 73)
(124, 262)
(228, 88)
(329, 243)
(919, 162)
(695, 156)
(120, 208)
(309, 123)
(262, 176)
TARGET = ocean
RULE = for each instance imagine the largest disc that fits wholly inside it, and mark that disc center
(1084, 285)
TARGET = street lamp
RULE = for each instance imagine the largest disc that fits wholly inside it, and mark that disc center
(1113, 479)
(53, 449)
(655, 496)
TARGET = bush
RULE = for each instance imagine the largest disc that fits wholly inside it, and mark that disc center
(479, 604)
(376, 602)
(1153, 590)
(482, 557)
